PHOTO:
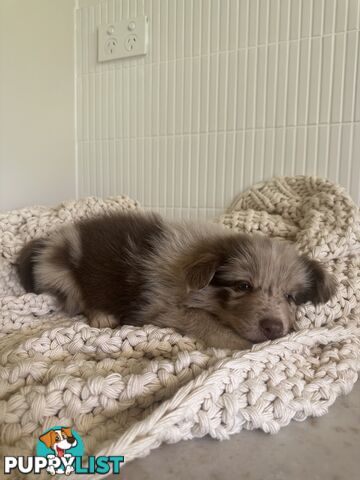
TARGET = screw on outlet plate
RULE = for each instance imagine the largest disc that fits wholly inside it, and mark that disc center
(110, 45)
(130, 42)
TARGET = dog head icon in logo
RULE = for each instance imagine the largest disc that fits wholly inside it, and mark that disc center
(59, 440)
(60, 445)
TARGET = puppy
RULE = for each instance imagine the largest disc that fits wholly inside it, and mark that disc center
(227, 289)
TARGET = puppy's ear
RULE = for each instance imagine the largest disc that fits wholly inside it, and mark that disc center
(320, 286)
(67, 432)
(199, 269)
(48, 438)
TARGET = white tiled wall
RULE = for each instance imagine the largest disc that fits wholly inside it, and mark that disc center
(231, 93)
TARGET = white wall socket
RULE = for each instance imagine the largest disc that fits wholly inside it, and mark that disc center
(128, 38)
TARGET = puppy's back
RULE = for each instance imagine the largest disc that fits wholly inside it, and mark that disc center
(95, 264)
(115, 254)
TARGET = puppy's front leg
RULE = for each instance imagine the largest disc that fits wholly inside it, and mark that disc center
(208, 329)
(227, 339)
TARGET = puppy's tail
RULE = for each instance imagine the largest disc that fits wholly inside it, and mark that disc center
(26, 262)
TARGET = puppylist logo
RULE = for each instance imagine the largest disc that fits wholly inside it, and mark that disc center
(59, 450)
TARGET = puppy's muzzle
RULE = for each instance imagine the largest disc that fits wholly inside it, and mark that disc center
(272, 328)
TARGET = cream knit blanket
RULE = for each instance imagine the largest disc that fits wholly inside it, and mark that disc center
(126, 391)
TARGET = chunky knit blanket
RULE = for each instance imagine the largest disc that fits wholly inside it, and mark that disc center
(125, 391)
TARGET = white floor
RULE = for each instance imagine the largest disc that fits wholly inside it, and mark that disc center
(325, 448)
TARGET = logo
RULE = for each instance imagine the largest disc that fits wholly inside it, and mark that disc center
(60, 450)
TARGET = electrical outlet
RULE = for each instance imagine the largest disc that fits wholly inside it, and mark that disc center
(111, 45)
(128, 38)
(131, 42)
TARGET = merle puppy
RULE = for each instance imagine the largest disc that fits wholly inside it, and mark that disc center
(225, 288)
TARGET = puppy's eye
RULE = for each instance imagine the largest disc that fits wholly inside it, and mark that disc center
(290, 298)
(244, 287)
(57, 438)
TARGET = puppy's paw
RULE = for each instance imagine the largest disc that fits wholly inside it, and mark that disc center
(102, 320)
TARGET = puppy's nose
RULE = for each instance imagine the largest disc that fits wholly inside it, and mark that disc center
(272, 328)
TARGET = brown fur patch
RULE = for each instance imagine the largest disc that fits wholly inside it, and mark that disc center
(111, 273)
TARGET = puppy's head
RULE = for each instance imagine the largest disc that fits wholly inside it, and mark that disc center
(253, 284)
(59, 440)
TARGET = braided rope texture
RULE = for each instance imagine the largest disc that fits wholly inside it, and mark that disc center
(126, 391)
